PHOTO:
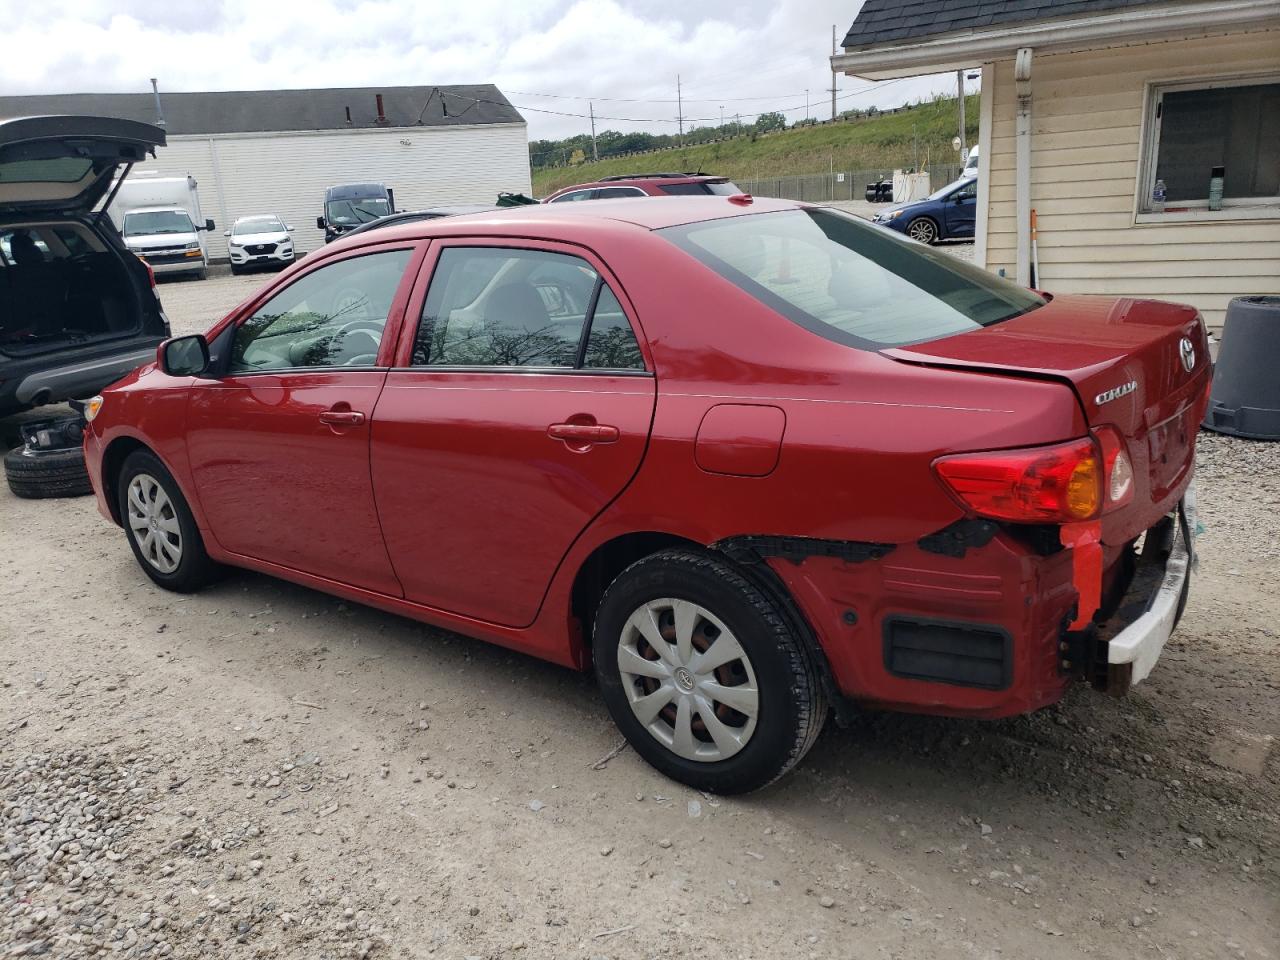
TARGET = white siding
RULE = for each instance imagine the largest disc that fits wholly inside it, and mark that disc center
(286, 174)
(1086, 129)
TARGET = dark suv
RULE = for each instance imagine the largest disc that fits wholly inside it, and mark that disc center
(647, 185)
(77, 309)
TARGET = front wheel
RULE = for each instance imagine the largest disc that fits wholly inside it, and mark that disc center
(161, 529)
(704, 674)
(923, 229)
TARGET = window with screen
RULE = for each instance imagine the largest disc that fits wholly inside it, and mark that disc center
(1230, 129)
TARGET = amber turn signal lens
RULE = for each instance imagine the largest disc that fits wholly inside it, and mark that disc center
(1055, 484)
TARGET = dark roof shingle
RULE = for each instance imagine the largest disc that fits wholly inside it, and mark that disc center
(260, 111)
(893, 21)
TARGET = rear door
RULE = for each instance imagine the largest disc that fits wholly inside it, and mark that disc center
(519, 407)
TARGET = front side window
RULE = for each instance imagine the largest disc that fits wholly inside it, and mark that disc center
(1230, 130)
(968, 192)
(147, 224)
(849, 281)
(332, 317)
(499, 307)
(572, 196)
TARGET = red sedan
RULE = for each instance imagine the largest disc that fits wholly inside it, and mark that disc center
(751, 461)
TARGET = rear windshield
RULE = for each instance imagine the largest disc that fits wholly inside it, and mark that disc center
(850, 281)
(157, 221)
(720, 188)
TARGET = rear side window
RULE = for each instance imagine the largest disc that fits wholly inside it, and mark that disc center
(849, 281)
(720, 188)
(571, 196)
(612, 193)
(498, 307)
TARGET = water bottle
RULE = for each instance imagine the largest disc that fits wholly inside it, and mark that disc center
(1158, 194)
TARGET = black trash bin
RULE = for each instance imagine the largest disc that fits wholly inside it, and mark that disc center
(1245, 401)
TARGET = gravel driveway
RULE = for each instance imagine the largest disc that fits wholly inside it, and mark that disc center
(261, 770)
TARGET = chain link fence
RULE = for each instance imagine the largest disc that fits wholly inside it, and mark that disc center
(839, 184)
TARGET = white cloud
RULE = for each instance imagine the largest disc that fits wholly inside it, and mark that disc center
(745, 56)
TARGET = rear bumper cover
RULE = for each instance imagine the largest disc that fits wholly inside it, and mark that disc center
(48, 376)
(1136, 635)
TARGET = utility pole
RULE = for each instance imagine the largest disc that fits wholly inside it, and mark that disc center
(806, 103)
(595, 154)
(964, 153)
(833, 73)
(722, 115)
(680, 109)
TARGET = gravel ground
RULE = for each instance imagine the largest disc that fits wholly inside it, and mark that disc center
(263, 771)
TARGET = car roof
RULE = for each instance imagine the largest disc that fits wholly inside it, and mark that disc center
(623, 180)
(566, 221)
(259, 216)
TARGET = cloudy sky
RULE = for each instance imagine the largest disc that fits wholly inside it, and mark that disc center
(547, 56)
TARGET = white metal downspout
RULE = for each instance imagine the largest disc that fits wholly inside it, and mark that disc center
(986, 98)
(225, 222)
(1022, 164)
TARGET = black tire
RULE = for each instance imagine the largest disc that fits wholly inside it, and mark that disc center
(41, 474)
(236, 270)
(194, 568)
(792, 707)
(923, 229)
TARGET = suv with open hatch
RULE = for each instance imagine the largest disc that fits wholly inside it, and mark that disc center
(752, 462)
(77, 308)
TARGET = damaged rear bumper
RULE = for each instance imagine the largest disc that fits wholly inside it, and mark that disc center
(1135, 635)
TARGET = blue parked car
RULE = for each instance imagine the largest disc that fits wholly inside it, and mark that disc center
(947, 214)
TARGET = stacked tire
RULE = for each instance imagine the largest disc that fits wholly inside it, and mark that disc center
(55, 469)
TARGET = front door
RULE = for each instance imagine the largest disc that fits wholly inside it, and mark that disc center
(522, 410)
(279, 444)
(962, 211)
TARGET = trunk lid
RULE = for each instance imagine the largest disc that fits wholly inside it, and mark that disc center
(1140, 366)
(65, 164)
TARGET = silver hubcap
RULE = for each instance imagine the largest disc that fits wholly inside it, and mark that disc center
(154, 523)
(688, 680)
(921, 230)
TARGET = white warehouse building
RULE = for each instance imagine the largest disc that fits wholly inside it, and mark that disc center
(276, 151)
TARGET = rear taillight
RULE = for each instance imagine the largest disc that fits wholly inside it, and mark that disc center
(1119, 468)
(151, 274)
(1062, 483)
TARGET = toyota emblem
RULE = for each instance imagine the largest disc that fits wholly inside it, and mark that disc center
(1187, 353)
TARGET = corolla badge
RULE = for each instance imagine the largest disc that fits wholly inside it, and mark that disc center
(1187, 353)
(1106, 396)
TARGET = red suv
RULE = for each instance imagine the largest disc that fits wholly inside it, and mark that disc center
(647, 185)
(749, 461)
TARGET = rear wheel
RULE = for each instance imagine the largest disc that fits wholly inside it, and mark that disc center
(160, 527)
(703, 674)
(923, 229)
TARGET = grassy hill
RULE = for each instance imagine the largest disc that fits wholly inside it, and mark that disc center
(921, 135)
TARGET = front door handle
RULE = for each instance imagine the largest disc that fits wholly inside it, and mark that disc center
(342, 418)
(583, 432)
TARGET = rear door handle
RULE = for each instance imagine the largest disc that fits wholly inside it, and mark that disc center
(583, 432)
(342, 418)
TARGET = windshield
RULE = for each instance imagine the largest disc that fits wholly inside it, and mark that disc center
(357, 211)
(157, 221)
(257, 225)
(849, 281)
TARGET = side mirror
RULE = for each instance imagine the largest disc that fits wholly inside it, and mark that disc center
(289, 227)
(184, 356)
(226, 233)
(209, 225)
(319, 223)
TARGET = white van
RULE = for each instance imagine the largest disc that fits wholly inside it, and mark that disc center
(971, 165)
(161, 222)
